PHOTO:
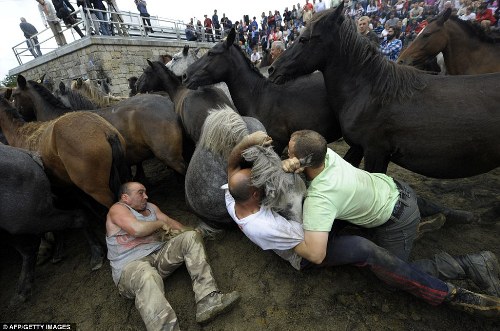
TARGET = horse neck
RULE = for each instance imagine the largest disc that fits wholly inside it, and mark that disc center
(44, 111)
(463, 56)
(16, 131)
(246, 87)
(169, 85)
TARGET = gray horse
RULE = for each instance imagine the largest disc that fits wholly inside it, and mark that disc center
(207, 171)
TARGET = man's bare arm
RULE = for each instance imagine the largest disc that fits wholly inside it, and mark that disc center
(122, 217)
(313, 248)
(235, 158)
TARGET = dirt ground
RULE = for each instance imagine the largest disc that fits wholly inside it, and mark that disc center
(274, 295)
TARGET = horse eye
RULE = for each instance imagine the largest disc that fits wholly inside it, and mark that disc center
(302, 39)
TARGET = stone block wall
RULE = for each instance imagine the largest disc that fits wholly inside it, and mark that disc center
(99, 57)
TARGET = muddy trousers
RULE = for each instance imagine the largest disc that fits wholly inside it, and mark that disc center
(361, 252)
(142, 280)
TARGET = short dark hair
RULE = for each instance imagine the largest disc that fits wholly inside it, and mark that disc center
(124, 189)
(308, 142)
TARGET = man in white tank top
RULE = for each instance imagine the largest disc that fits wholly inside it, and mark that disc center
(140, 260)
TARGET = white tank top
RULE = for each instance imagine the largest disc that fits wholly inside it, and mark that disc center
(124, 248)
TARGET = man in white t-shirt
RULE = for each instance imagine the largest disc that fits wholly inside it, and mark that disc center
(269, 230)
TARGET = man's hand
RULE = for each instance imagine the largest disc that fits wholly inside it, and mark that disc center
(292, 165)
(259, 138)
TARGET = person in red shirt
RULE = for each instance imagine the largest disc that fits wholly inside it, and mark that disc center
(208, 28)
(485, 17)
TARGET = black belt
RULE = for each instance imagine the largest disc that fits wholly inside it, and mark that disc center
(400, 205)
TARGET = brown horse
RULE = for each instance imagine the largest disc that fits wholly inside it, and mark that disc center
(94, 93)
(79, 148)
(147, 122)
(466, 48)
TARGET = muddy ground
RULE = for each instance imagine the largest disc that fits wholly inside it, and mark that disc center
(274, 295)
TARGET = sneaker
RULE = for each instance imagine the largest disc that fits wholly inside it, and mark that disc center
(429, 224)
(455, 216)
(482, 269)
(473, 303)
(215, 304)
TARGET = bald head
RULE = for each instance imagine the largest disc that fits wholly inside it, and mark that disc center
(23, 20)
(240, 185)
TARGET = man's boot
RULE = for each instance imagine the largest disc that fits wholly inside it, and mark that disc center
(215, 304)
(430, 224)
(473, 303)
(482, 268)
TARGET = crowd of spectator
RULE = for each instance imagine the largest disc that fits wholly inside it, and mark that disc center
(389, 23)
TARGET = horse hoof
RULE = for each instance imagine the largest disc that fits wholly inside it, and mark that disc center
(460, 217)
(17, 300)
(96, 263)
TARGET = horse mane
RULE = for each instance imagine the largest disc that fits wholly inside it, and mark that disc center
(47, 95)
(78, 100)
(93, 93)
(267, 173)
(390, 81)
(222, 130)
(248, 61)
(473, 29)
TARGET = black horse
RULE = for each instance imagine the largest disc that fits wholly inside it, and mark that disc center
(283, 109)
(438, 126)
(27, 210)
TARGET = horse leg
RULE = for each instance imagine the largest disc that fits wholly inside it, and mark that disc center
(428, 208)
(27, 246)
(139, 173)
(96, 251)
(376, 161)
(354, 155)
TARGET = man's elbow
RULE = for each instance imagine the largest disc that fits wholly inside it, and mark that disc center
(317, 258)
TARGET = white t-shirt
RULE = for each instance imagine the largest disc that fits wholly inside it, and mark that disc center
(269, 230)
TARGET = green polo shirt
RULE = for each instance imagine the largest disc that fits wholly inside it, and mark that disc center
(345, 192)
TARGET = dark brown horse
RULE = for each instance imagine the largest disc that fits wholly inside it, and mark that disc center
(466, 48)
(191, 106)
(148, 122)
(283, 109)
(438, 126)
(79, 148)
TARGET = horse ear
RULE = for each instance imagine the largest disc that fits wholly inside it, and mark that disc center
(150, 63)
(62, 87)
(444, 16)
(185, 50)
(196, 50)
(42, 78)
(340, 9)
(230, 38)
(21, 82)
(8, 94)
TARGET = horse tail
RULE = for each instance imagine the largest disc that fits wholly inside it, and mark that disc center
(120, 171)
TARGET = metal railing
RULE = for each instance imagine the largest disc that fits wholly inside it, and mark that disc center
(119, 23)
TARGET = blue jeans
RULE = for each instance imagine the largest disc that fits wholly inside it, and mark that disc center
(103, 25)
(361, 252)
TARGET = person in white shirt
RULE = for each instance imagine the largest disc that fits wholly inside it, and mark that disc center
(469, 15)
(255, 57)
(49, 19)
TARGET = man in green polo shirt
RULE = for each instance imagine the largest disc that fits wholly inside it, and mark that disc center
(339, 191)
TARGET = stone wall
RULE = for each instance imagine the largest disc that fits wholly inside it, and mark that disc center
(99, 57)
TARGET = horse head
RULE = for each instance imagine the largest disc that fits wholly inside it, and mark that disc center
(23, 100)
(157, 77)
(284, 192)
(432, 40)
(73, 99)
(214, 66)
(317, 43)
(182, 60)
